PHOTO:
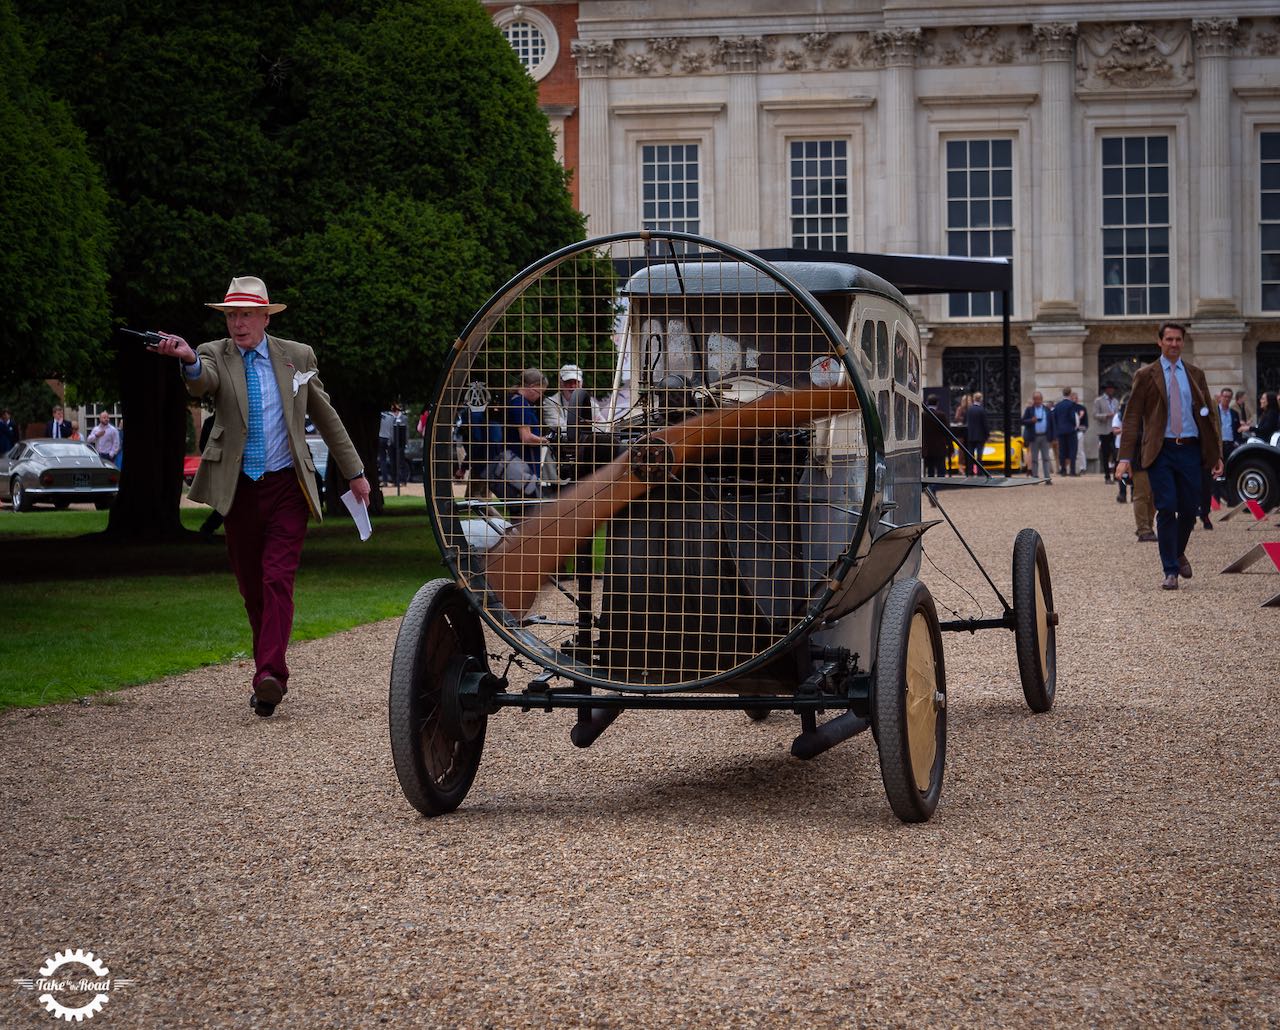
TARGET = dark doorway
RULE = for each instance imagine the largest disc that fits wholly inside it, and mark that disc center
(1118, 363)
(968, 369)
(1268, 369)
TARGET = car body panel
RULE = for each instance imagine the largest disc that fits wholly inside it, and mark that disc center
(1247, 469)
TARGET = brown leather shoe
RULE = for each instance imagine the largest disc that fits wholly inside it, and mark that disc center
(1184, 567)
(1170, 583)
(268, 693)
(1146, 538)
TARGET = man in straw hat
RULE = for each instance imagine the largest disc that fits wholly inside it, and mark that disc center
(256, 469)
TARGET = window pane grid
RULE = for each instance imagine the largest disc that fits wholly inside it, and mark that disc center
(1135, 225)
(979, 213)
(820, 194)
(528, 43)
(1269, 209)
(669, 186)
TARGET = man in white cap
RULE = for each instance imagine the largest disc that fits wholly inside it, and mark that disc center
(555, 412)
(256, 469)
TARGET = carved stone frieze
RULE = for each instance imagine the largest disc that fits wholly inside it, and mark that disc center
(975, 45)
(1135, 56)
(680, 55)
(1259, 37)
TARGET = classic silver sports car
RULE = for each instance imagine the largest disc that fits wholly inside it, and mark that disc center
(57, 472)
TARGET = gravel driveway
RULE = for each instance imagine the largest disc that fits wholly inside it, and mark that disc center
(1113, 861)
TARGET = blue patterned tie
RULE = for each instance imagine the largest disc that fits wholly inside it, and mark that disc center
(255, 447)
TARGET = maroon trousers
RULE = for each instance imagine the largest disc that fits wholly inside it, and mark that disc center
(265, 529)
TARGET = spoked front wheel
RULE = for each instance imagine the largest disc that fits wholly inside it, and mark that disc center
(1035, 622)
(435, 742)
(910, 703)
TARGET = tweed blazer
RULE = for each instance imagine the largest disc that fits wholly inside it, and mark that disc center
(222, 378)
(1147, 413)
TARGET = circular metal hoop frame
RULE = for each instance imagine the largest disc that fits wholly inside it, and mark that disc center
(709, 562)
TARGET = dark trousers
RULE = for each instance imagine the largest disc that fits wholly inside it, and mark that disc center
(1067, 453)
(1106, 452)
(265, 529)
(1219, 487)
(1175, 489)
(935, 465)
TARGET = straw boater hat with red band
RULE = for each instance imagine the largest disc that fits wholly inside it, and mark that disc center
(247, 291)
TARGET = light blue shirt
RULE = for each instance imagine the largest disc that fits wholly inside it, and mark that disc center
(1225, 414)
(1042, 420)
(1188, 427)
(273, 425)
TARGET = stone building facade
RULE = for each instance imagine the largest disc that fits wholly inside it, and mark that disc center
(1126, 159)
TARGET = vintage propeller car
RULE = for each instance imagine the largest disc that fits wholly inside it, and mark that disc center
(742, 520)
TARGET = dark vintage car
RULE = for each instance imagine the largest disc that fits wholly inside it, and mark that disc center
(57, 472)
(1253, 472)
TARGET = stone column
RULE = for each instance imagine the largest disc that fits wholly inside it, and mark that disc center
(594, 58)
(1214, 38)
(1057, 250)
(897, 50)
(741, 214)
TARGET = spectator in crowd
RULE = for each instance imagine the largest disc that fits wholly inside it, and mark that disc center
(1170, 431)
(519, 465)
(976, 431)
(1268, 421)
(1064, 430)
(1037, 423)
(1230, 420)
(391, 467)
(58, 427)
(9, 434)
(1241, 407)
(1105, 408)
(105, 437)
(75, 431)
(555, 413)
(1082, 427)
(935, 444)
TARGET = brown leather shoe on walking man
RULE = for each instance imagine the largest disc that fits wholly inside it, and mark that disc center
(1171, 429)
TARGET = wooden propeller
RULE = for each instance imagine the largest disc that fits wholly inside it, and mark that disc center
(526, 557)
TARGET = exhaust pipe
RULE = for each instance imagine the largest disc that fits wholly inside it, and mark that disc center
(813, 742)
(591, 723)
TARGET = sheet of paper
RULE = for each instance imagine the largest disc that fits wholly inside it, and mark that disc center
(360, 513)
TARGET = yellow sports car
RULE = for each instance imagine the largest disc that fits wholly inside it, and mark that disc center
(992, 456)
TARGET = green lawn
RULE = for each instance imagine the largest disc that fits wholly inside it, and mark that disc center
(85, 615)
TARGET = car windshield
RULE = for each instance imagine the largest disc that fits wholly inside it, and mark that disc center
(63, 450)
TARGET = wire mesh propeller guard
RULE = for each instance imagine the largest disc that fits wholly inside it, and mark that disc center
(710, 467)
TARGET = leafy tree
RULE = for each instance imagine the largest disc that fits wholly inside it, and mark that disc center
(53, 222)
(382, 164)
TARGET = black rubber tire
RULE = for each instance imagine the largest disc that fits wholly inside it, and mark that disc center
(18, 497)
(62, 504)
(757, 714)
(103, 503)
(435, 768)
(1256, 480)
(1039, 680)
(910, 802)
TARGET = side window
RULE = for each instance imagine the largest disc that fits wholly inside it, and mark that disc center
(882, 405)
(899, 416)
(869, 342)
(899, 358)
(882, 350)
(913, 420)
(913, 371)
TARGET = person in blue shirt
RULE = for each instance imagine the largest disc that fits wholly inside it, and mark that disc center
(518, 468)
(1064, 429)
(1036, 432)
